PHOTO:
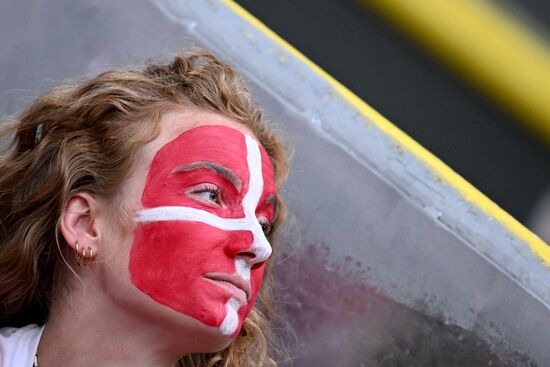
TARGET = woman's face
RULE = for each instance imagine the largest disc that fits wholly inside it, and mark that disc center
(206, 205)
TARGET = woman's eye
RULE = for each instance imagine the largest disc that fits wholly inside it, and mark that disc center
(266, 226)
(214, 196)
(211, 195)
(206, 193)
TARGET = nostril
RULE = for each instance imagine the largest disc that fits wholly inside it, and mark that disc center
(248, 255)
(239, 243)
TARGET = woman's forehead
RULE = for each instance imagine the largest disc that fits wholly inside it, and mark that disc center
(206, 143)
(176, 122)
(219, 147)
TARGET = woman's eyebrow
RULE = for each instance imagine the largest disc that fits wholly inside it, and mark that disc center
(215, 167)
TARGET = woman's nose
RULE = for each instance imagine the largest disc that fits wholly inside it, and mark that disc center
(252, 247)
(260, 250)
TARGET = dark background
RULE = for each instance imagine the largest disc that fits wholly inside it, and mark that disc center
(421, 96)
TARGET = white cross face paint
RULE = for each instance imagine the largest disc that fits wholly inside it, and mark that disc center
(199, 247)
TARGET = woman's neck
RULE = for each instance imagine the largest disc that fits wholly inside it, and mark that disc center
(88, 329)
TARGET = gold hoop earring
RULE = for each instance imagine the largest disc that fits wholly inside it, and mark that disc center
(88, 259)
(78, 255)
(85, 256)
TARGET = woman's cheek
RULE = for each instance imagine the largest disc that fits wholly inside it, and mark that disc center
(256, 279)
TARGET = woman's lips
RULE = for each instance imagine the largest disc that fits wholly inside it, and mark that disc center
(237, 285)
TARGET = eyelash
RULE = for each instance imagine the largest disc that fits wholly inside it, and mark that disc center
(268, 225)
(206, 188)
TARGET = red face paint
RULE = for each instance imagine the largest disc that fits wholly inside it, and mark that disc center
(197, 235)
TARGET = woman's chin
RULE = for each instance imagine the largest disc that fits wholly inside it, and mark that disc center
(206, 339)
(212, 340)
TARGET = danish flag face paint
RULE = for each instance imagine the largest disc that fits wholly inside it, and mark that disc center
(199, 246)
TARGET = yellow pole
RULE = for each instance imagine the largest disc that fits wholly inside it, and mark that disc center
(488, 46)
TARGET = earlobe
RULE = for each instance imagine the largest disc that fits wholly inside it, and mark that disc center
(79, 224)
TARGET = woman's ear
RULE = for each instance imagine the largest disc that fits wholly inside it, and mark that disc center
(79, 224)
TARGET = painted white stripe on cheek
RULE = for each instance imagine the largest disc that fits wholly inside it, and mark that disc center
(183, 213)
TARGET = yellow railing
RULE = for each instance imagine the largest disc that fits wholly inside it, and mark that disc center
(488, 46)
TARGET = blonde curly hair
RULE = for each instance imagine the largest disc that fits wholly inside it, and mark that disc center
(85, 136)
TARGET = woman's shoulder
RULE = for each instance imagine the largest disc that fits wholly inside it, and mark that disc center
(20, 333)
(18, 345)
